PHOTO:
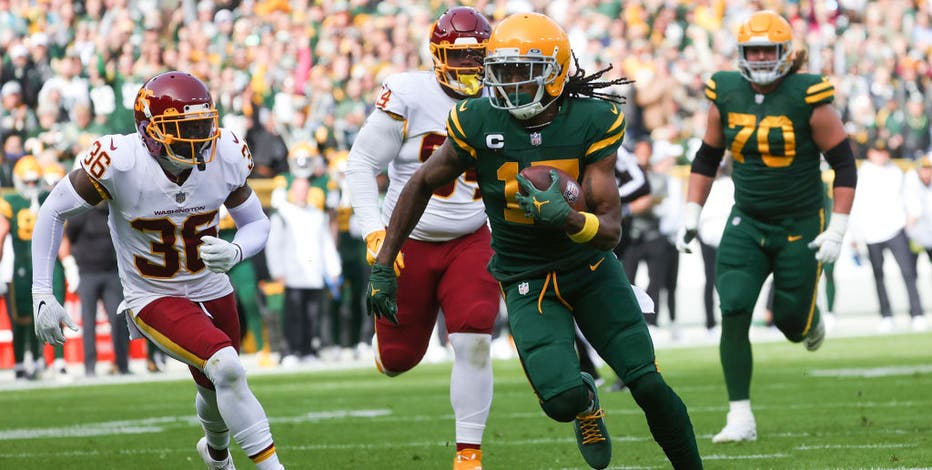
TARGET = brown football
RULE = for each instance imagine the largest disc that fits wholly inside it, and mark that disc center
(539, 176)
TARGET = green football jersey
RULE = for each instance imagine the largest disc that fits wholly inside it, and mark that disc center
(18, 210)
(497, 146)
(776, 162)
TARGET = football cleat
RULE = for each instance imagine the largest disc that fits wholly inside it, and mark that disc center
(591, 433)
(740, 426)
(815, 337)
(225, 464)
(468, 459)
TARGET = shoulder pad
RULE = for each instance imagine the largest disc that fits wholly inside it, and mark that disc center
(402, 91)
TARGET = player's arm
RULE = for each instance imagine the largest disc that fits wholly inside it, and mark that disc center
(829, 135)
(601, 191)
(443, 166)
(377, 144)
(702, 175)
(252, 232)
(72, 195)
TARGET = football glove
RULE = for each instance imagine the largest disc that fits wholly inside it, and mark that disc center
(219, 255)
(380, 299)
(72, 278)
(828, 243)
(690, 227)
(374, 244)
(547, 206)
(48, 315)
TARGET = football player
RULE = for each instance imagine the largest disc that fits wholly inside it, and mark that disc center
(444, 260)
(18, 218)
(776, 122)
(554, 265)
(165, 184)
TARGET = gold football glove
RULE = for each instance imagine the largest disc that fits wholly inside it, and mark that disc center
(374, 244)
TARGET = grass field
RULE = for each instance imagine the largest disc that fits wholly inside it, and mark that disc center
(856, 403)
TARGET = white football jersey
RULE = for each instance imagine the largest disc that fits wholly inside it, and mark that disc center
(156, 225)
(455, 209)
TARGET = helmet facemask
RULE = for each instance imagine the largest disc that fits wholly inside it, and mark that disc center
(459, 66)
(519, 82)
(186, 136)
(767, 71)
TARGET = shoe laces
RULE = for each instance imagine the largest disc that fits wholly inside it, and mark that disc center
(589, 426)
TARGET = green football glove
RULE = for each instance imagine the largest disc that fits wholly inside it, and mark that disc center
(547, 206)
(383, 286)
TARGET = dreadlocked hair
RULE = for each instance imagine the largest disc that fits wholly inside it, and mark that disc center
(579, 84)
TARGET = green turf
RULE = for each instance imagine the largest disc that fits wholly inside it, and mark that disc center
(814, 411)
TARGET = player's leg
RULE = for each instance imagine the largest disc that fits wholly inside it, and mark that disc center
(609, 314)
(795, 286)
(205, 335)
(741, 269)
(19, 325)
(469, 298)
(543, 329)
(398, 348)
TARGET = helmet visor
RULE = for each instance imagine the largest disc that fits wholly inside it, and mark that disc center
(518, 81)
(185, 137)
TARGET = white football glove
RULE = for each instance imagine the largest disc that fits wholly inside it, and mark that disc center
(690, 227)
(72, 278)
(219, 255)
(829, 242)
(48, 315)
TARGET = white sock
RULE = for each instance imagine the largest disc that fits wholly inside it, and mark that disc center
(216, 431)
(471, 385)
(740, 407)
(239, 408)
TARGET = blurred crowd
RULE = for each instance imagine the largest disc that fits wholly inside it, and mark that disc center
(297, 78)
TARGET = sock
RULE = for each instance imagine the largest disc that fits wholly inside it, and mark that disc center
(742, 406)
(667, 419)
(471, 386)
(735, 354)
(216, 431)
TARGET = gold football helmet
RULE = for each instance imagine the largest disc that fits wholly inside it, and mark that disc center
(27, 177)
(528, 56)
(765, 29)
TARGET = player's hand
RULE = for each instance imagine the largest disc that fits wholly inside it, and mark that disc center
(219, 255)
(828, 243)
(48, 315)
(374, 244)
(72, 278)
(547, 206)
(690, 227)
(380, 299)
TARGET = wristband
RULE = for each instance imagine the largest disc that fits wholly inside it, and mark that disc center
(590, 228)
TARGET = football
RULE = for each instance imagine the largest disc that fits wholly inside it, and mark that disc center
(539, 176)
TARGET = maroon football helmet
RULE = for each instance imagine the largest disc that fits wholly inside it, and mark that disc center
(457, 44)
(176, 118)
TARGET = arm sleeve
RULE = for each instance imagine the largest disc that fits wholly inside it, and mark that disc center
(841, 159)
(62, 202)
(252, 226)
(276, 243)
(377, 144)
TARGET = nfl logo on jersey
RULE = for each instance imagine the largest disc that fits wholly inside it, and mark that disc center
(535, 138)
(180, 197)
(523, 288)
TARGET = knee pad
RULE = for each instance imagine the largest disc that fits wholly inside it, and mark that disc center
(648, 388)
(391, 364)
(224, 368)
(472, 348)
(566, 405)
(736, 292)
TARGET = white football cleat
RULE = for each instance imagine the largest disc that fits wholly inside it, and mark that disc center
(225, 464)
(740, 426)
(816, 336)
(919, 324)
